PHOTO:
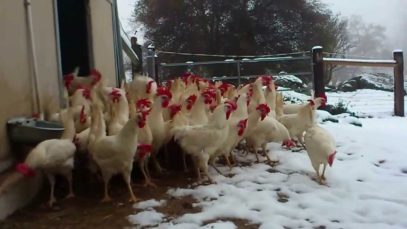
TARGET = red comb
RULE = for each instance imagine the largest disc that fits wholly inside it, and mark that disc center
(199, 79)
(24, 169)
(209, 92)
(224, 87)
(115, 95)
(266, 79)
(263, 107)
(174, 109)
(241, 125)
(96, 75)
(164, 91)
(185, 77)
(86, 93)
(192, 98)
(148, 86)
(323, 95)
(68, 80)
(191, 101)
(242, 122)
(143, 103)
(232, 104)
(169, 83)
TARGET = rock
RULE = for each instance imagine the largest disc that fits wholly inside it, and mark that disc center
(349, 85)
(377, 81)
(289, 81)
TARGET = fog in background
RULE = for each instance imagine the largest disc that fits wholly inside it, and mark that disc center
(391, 14)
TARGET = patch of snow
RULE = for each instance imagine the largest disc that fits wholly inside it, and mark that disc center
(146, 218)
(220, 225)
(291, 78)
(286, 196)
(293, 96)
(228, 60)
(366, 102)
(149, 204)
(323, 116)
(347, 118)
(380, 81)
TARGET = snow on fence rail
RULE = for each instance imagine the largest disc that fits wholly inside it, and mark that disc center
(319, 61)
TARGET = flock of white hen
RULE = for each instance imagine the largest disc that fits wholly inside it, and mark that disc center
(121, 127)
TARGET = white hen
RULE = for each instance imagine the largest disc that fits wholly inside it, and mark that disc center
(321, 149)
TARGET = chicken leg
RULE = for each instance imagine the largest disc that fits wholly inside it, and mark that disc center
(212, 163)
(51, 179)
(226, 157)
(106, 179)
(196, 165)
(69, 178)
(127, 178)
(319, 177)
(184, 161)
(157, 165)
(204, 164)
(147, 181)
(323, 173)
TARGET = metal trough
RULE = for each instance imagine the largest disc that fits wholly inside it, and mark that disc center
(31, 131)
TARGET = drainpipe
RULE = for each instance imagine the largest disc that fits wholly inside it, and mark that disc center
(33, 59)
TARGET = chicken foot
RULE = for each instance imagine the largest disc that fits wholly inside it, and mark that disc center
(320, 178)
(232, 158)
(143, 167)
(216, 168)
(266, 152)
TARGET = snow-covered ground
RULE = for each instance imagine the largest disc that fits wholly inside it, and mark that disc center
(367, 101)
(366, 187)
(364, 102)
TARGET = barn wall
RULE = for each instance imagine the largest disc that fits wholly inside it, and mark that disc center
(16, 80)
(102, 39)
(15, 74)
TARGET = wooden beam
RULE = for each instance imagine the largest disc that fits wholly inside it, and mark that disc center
(360, 63)
(318, 71)
(398, 83)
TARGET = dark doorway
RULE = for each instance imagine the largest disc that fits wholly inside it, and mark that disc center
(74, 36)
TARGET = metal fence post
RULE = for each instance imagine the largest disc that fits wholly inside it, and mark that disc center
(318, 71)
(238, 72)
(151, 61)
(398, 83)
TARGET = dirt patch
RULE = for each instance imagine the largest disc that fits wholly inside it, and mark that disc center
(282, 197)
(86, 211)
(240, 223)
